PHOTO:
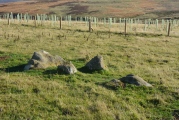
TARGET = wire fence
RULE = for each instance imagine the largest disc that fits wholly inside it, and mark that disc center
(119, 25)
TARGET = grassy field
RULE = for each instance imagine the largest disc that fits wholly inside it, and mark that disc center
(44, 94)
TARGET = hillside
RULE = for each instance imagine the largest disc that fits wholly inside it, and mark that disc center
(100, 8)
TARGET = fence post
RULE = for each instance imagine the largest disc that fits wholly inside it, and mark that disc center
(25, 17)
(125, 30)
(110, 22)
(35, 21)
(60, 22)
(11, 16)
(97, 21)
(157, 23)
(52, 20)
(18, 17)
(131, 22)
(167, 23)
(8, 19)
(105, 21)
(89, 25)
(114, 20)
(145, 27)
(169, 28)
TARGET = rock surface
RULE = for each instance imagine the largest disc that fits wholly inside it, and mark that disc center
(42, 60)
(96, 63)
(67, 68)
(114, 83)
(136, 80)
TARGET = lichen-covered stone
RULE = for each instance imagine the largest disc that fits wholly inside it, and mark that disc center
(96, 63)
(136, 80)
(42, 60)
(66, 68)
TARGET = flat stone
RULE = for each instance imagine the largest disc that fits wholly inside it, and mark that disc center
(114, 83)
(136, 80)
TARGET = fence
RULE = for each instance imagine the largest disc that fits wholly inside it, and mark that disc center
(119, 25)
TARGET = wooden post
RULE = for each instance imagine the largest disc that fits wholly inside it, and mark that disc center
(35, 21)
(8, 21)
(145, 27)
(60, 22)
(169, 28)
(125, 30)
(157, 23)
(41, 22)
(89, 25)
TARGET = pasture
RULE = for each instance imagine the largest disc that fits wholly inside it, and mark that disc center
(45, 94)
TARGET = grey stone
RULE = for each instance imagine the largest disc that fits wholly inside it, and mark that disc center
(96, 63)
(42, 60)
(136, 80)
(67, 68)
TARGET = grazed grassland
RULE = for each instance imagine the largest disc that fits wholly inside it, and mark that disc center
(44, 94)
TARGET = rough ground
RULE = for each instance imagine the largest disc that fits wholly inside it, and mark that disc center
(45, 94)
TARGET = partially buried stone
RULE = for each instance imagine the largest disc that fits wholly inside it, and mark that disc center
(114, 83)
(136, 80)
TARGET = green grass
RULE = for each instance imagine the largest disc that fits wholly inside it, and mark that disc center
(45, 94)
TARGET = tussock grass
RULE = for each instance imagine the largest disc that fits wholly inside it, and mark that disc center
(44, 94)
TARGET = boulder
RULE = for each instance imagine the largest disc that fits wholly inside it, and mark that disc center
(96, 63)
(42, 60)
(66, 68)
(136, 80)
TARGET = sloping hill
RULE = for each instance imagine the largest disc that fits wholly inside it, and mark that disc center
(100, 8)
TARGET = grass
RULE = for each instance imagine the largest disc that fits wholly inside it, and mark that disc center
(45, 94)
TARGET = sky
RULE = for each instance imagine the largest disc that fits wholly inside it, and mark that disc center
(6, 1)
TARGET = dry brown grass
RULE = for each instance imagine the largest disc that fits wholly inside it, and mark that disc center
(31, 7)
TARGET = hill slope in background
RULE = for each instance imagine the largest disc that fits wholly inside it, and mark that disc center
(100, 8)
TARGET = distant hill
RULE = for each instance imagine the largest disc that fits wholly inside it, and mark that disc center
(99, 8)
(6, 1)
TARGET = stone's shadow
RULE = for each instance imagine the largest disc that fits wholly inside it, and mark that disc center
(53, 72)
(176, 114)
(47, 72)
(19, 68)
(85, 70)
